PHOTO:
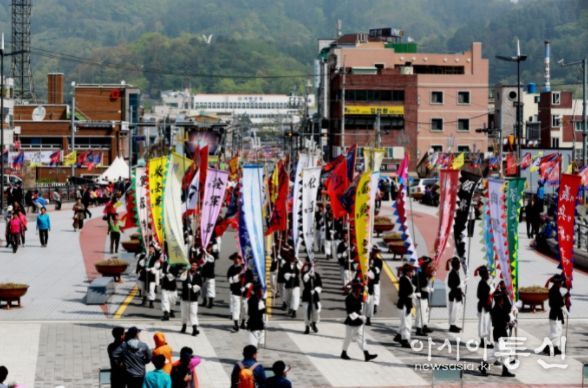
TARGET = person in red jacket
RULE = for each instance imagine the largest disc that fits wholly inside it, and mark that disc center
(14, 229)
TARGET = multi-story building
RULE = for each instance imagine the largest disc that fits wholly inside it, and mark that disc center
(505, 97)
(422, 101)
(102, 116)
(260, 109)
(561, 120)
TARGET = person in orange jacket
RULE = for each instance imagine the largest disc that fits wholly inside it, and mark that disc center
(161, 347)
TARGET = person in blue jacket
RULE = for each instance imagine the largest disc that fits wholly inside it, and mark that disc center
(43, 226)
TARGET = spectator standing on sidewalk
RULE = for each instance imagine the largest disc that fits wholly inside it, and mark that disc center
(43, 226)
(56, 197)
(117, 373)
(133, 355)
(183, 372)
(248, 370)
(157, 378)
(279, 380)
(114, 227)
(162, 348)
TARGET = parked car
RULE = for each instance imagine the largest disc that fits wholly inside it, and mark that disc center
(419, 185)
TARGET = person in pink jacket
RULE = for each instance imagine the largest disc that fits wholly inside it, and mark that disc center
(23, 221)
(15, 230)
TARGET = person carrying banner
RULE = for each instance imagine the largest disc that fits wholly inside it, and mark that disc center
(190, 293)
(169, 292)
(256, 316)
(234, 276)
(405, 304)
(208, 276)
(292, 277)
(501, 322)
(484, 307)
(311, 304)
(354, 322)
(423, 281)
(152, 269)
(557, 311)
(378, 263)
(373, 276)
(455, 296)
(286, 254)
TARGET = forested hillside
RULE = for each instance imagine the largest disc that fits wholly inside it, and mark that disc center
(161, 44)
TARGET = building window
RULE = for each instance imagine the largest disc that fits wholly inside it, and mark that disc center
(578, 126)
(556, 121)
(555, 142)
(436, 97)
(463, 97)
(436, 124)
(536, 99)
(463, 148)
(436, 148)
(555, 98)
(463, 124)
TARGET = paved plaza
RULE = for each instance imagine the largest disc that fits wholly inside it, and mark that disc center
(57, 340)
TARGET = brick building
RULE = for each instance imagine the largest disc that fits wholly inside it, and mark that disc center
(425, 101)
(102, 114)
(561, 120)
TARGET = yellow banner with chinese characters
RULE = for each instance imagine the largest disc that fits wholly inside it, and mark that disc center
(157, 173)
(368, 110)
(362, 219)
(70, 159)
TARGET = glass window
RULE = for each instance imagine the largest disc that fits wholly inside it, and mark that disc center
(437, 148)
(463, 148)
(436, 97)
(555, 98)
(555, 142)
(463, 124)
(556, 121)
(463, 97)
(578, 126)
(437, 124)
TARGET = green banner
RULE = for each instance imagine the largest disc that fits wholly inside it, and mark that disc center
(514, 202)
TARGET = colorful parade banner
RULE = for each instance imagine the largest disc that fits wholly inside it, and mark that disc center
(448, 184)
(252, 213)
(497, 206)
(303, 162)
(514, 202)
(279, 217)
(336, 184)
(142, 209)
(157, 174)
(458, 162)
(400, 211)
(214, 194)
(372, 159)
(311, 180)
(351, 156)
(362, 220)
(193, 189)
(566, 213)
(487, 235)
(70, 159)
(374, 180)
(234, 168)
(173, 228)
(468, 185)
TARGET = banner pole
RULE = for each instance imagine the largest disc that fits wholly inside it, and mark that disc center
(415, 245)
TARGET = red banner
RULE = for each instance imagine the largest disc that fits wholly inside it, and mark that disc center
(337, 183)
(279, 217)
(566, 210)
(448, 185)
(511, 165)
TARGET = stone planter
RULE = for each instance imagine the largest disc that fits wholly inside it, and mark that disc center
(534, 298)
(391, 237)
(11, 292)
(113, 268)
(132, 246)
(135, 236)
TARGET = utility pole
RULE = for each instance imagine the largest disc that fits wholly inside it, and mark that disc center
(73, 126)
(343, 109)
(2, 125)
(131, 129)
(378, 138)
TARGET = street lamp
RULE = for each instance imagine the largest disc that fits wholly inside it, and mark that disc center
(73, 126)
(518, 59)
(583, 63)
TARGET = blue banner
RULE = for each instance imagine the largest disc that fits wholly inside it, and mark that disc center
(252, 215)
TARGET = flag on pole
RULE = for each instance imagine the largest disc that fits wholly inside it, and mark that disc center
(252, 212)
(351, 155)
(448, 184)
(70, 159)
(362, 221)
(458, 162)
(214, 194)
(514, 203)
(497, 204)
(566, 216)
(336, 184)
(527, 161)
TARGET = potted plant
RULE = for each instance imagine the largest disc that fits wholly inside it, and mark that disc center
(12, 292)
(382, 224)
(533, 296)
(132, 245)
(111, 267)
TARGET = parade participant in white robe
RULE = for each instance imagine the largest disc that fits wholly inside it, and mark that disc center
(456, 293)
(311, 301)
(484, 307)
(235, 277)
(191, 287)
(378, 264)
(557, 312)
(422, 282)
(292, 277)
(256, 316)
(354, 322)
(207, 271)
(405, 303)
(169, 292)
